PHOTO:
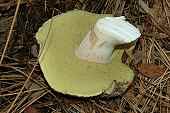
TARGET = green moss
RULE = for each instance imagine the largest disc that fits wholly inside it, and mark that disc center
(63, 70)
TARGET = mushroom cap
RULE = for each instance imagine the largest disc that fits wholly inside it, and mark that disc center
(117, 29)
(66, 73)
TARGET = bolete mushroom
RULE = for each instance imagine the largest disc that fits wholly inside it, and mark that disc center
(89, 67)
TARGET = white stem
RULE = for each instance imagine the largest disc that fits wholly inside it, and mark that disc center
(99, 43)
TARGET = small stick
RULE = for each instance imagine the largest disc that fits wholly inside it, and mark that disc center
(10, 32)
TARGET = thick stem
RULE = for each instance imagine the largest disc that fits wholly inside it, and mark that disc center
(94, 48)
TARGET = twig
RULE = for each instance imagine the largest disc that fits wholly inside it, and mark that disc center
(150, 51)
(166, 12)
(154, 90)
(25, 74)
(45, 6)
(10, 32)
(167, 3)
(158, 97)
(21, 89)
(155, 22)
(28, 91)
(33, 100)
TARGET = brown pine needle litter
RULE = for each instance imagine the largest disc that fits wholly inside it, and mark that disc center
(23, 88)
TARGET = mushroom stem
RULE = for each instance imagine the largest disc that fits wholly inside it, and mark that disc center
(98, 45)
(92, 48)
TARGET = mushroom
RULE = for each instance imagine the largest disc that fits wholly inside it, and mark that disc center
(64, 59)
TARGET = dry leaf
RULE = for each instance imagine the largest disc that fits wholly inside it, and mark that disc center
(151, 70)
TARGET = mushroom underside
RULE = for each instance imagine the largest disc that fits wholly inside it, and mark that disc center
(66, 73)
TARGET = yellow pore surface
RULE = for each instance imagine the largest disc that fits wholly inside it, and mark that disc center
(66, 73)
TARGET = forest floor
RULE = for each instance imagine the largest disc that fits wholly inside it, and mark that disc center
(23, 88)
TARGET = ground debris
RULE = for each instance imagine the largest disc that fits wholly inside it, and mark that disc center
(151, 70)
(148, 94)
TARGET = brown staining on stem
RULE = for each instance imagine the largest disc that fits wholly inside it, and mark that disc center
(93, 38)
